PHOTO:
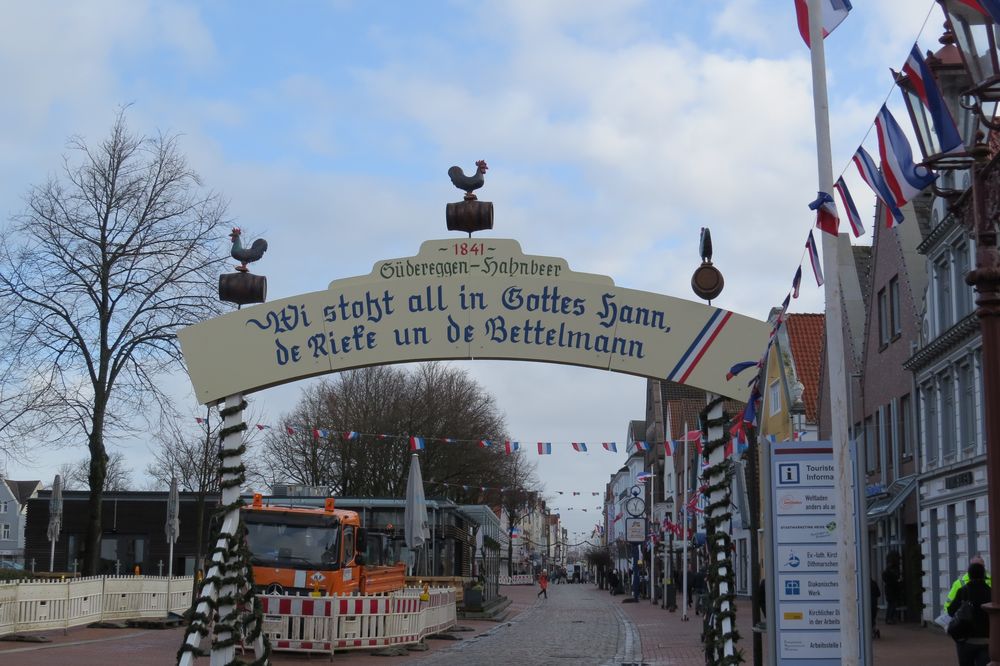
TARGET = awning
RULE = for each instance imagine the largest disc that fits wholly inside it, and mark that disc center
(889, 502)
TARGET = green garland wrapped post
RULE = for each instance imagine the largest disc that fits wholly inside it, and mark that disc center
(721, 635)
(226, 604)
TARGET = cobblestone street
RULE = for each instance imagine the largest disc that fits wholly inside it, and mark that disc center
(577, 624)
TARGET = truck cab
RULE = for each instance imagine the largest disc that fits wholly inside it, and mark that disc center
(312, 551)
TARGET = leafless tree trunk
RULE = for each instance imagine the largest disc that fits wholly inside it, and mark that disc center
(98, 274)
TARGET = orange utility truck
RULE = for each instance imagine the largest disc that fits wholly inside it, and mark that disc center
(313, 551)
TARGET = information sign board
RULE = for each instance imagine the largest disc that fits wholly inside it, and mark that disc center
(804, 554)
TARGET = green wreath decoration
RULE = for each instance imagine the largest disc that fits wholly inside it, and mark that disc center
(719, 543)
(244, 622)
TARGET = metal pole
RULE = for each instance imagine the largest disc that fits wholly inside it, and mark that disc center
(649, 531)
(845, 514)
(986, 279)
(684, 532)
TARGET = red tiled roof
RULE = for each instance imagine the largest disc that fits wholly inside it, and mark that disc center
(805, 336)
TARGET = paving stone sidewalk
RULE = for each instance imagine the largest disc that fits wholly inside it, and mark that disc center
(578, 624)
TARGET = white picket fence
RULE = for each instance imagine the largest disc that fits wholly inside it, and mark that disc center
(60, 604)
(325, 624)
(519, 579)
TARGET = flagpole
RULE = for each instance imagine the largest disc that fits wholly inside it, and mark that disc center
(684, 530)
(649, 532)
(847, 556)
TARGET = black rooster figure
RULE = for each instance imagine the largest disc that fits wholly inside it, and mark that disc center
(469, 183)
(245, 255)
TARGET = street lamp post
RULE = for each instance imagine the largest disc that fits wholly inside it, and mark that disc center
(976, 34)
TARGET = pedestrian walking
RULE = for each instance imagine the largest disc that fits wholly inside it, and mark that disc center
(964, 579)
(543, 584)
(972, 637)
(892, 586)
(875, 594)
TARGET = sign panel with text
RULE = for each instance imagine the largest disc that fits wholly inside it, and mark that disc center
(804, 551)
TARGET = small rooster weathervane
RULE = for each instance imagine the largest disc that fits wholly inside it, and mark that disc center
(469, 183)
(470, 214)
(242, 287)
(246, 255)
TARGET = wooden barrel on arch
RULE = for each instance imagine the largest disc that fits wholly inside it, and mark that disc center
(242, 288)
(469, 216)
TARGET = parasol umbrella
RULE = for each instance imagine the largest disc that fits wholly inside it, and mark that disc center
(415, 527)
(55, 519)
(173, 526)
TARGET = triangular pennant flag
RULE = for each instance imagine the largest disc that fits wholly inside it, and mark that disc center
(814, 259)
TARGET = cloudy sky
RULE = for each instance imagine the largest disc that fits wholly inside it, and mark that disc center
(613, 131)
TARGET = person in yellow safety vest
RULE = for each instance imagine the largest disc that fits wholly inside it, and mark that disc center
(962, 580)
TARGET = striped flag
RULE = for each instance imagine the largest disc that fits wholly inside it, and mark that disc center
(512, 446)
(580, 447)
(350, 434)
(610, 446)
(689, 360)
(834, 12)
(544, 448)
(417, 443)
(904, 178)
(924, 85)
(873, 178)
(485, 444)
(857, 227)
(814, 259)
(641, 446)
(666, 449)
(738, 368)
(797, 282)
(827, 218)
(643, 477)
(447, 440)
(321, 433)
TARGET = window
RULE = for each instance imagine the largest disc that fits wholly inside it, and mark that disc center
(904, 428)
(870, 444)
(966, 407)
(348, 544)
(949, 436)
(883, 319)
(942, 287)
(3, 506)
(774, 397)
(879, 439)
(963, 292)
(5, 531)
(931, 423)
(895, 323)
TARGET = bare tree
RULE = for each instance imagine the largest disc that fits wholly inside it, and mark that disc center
(434, 401)
(98, 274)
(76, 475)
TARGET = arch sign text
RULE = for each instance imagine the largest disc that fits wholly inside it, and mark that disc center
(469, 299)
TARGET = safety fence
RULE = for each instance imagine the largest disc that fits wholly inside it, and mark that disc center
(59, 604)
(519, 579)
(325, 624)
